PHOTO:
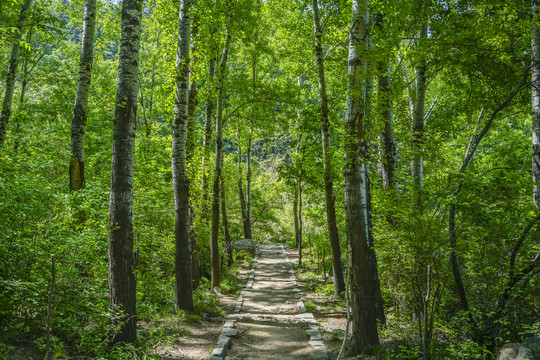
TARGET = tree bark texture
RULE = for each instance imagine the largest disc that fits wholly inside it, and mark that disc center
(209, 117)
(300, 225)
(364, 334)
(535, 105)
(247, 223)
(295, 216)
(193, 249)
(225, 221)
(192, 106)
(214, 245)
(373, 264)
(419, 111)
(454, 261)
(25, 69)
(184, 292)
(121, 278)
(78, 122)
(387, 143)
(297, 205)
(241, 194)
(339, 282)
(11, 72)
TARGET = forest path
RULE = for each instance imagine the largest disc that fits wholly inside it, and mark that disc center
(270, 321)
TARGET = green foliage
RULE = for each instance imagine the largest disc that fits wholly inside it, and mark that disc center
(205, 301)
(229, 283)
(475, 54)
(310, 305)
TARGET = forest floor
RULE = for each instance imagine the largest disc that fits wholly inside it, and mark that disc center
(270, 324)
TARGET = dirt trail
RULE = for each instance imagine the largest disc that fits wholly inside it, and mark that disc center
(270, 320)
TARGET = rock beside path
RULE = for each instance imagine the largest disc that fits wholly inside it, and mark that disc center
(248, 245)
(528, 350)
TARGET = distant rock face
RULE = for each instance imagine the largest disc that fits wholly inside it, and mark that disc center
(248, 245)
(528, 350)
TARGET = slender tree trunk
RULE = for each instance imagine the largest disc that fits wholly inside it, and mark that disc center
(12, 70)
(339, 282)
(241, 191)
(364, 321)
(152, 86)
(121, 278)
(225, 221)
(78, 122)
(300, 225)
(300, 207)
(295, 216)
(248, 233)
(17, 135)
(535, 104)
(209, 117)
(22, 97)
(369, 164)
(374, 269)
(214, 245)
(419, 112)
(297, 205)
(418, 127)
(184, 291)
(386, 138)
(454, 258)
(194, 251)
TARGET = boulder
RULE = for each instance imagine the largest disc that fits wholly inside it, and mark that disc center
(248, 245)
(528, 350)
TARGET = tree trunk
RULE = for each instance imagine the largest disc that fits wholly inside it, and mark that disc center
(121, 278)
(454, 262)
(374, 269)
(241, 191)
(535, 87)
(295, 216)
(78, 122)
(194, 250)
(192, 169)
(225, 221)
(24, 83)
(297, 205)
(214, 245)
(148, 125)
(364, 321)
(209, 113)
(418, 113)
(248, 232)
(339, 283)
(300, 204)
(12, 70)
(248, 184)
(184, 292)
(386, 138)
